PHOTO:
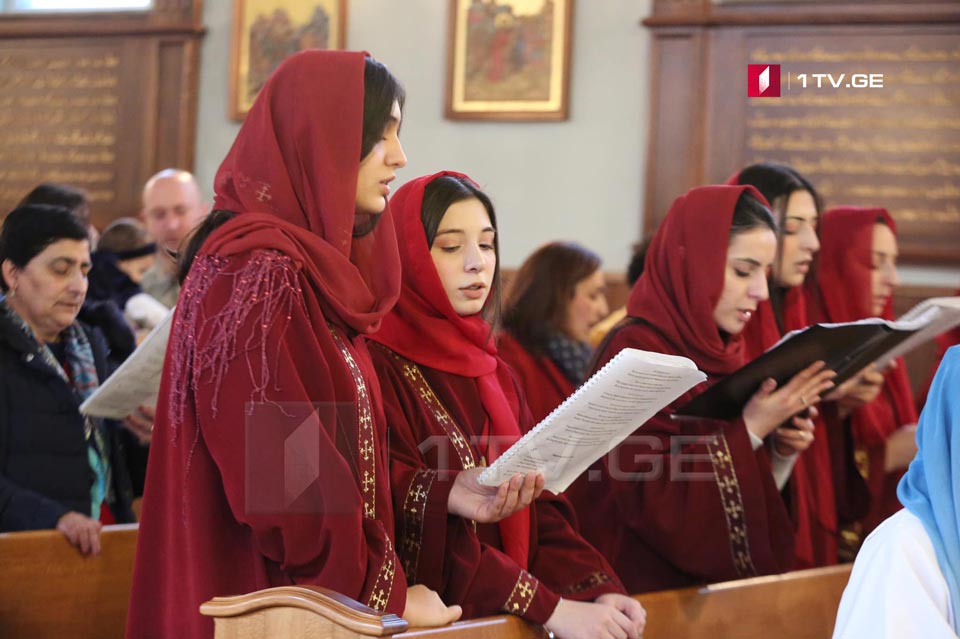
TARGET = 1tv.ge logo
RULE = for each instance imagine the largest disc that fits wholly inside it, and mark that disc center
(763, 80)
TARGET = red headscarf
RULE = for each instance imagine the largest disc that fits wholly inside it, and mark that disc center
(291, 177)
(763, 331)
(812, 482)
(425, 329)
(684, 277)
(842, 292)
(292, 173)
(284, 274)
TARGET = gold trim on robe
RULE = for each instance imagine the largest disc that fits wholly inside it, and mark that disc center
(592, 581)
(731, 499)
(366, 438)
(420, 384)
(383, 588)
(414, 507)
(522, 595)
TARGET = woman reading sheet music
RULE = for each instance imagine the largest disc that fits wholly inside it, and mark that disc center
(451, 405)
(267, 374)
(824, 490)
(694, 501)
(855, 277)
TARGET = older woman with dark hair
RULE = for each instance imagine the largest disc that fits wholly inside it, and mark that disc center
(108, 318)
(557, 296)
(58, 469)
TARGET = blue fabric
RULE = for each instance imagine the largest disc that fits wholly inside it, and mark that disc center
(570, 356)
(931, 487)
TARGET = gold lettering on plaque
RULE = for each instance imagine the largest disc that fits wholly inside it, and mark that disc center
(60, 109)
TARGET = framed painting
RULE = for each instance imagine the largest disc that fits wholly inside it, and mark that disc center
(265, 32)
(509, 59)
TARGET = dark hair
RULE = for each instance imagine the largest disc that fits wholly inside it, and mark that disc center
(438, 196)
(543, 288)
(380, 89)
(122, 235)
(29, 229)
(638, 260)
(63, 195)
(199, 235)
(777, 182)
(750, 214)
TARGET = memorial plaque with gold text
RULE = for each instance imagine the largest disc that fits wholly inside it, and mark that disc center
(895, 146)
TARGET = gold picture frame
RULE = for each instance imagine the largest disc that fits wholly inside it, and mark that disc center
(265, 32)
(509, 59)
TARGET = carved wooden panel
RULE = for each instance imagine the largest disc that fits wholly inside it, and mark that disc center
(102, 108)
(897, 146)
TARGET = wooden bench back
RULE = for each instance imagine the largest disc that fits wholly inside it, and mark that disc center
(47, 589)
(798, 605)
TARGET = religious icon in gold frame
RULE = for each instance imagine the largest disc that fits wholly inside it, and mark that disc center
(265, 32)
(509, 59)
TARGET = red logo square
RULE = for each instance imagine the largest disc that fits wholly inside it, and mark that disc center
(763, 80)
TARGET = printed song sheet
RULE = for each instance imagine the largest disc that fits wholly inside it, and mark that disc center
(136, 382)
(612, 404)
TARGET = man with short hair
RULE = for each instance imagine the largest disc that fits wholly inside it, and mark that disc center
(172, 207)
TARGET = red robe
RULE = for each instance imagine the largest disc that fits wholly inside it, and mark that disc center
(662, 531)
(438, 422)
(845, 256)
(453, 404)
(268, 461)
(660, 526)
(544, 386)
(811, 490)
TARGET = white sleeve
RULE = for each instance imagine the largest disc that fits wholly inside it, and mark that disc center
(144, 311)
(896, 589)
(782, 466)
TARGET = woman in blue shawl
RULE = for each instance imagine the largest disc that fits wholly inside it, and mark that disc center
(905, 580)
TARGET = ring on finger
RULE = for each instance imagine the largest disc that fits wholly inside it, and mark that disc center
(803, 400)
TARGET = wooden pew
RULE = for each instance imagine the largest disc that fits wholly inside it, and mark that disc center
(47, 589)
(798, 605)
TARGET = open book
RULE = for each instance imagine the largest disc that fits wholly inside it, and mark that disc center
(136, 381)
(846, 348)
(940, 314)
(616, 400)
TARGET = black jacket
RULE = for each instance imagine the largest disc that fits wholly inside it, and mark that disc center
(44, 471)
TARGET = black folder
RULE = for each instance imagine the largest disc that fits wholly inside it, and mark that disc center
(846, 349)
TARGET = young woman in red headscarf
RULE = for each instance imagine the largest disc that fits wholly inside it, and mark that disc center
(824, 488)
(686, 502)
(556, 298)
(855, 278)
(268, 462)
(452, 404)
